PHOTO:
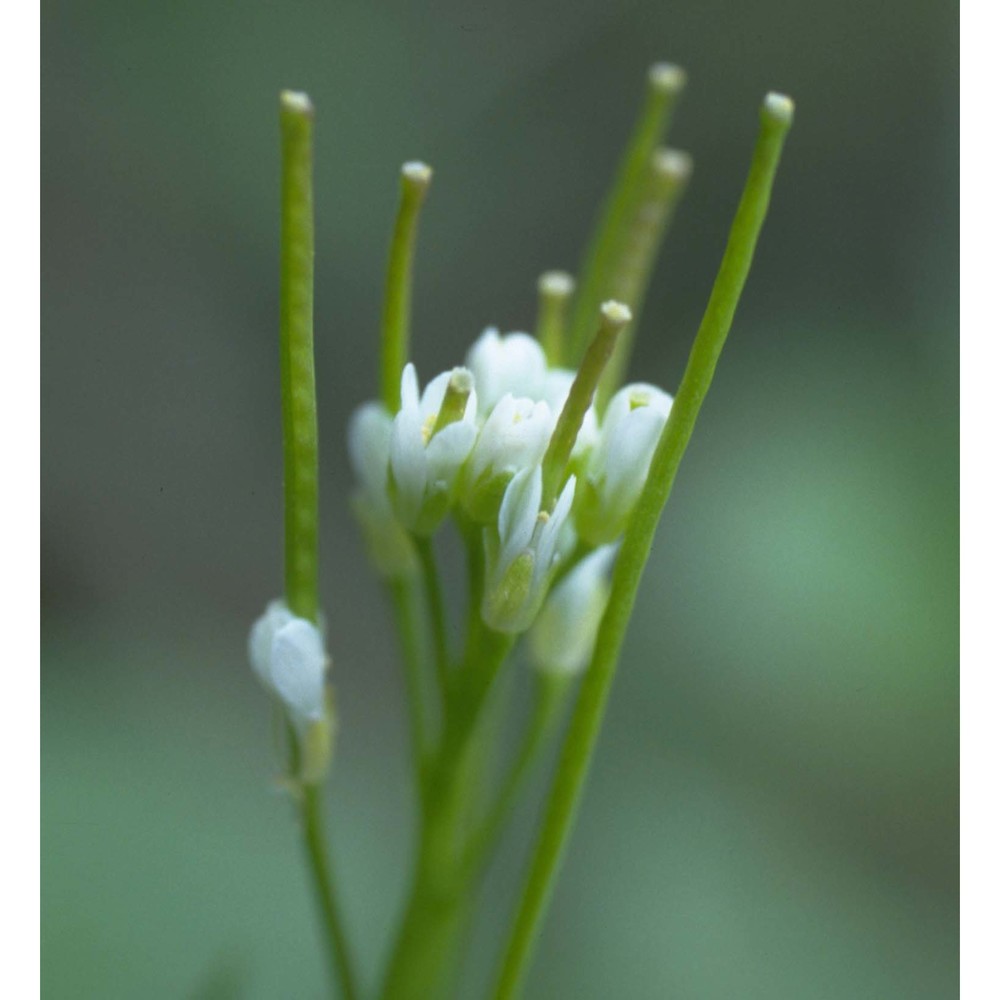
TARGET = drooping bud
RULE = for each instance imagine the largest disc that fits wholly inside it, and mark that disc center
(562, 639)
(288, 656)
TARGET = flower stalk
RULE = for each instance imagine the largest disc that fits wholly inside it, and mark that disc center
(415, 179)
(298, 398)
(664, 84)
(555, 292)
(588, 712)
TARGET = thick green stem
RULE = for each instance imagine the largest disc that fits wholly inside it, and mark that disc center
(298, 409)
(588, 713)
(436, 611)
(298, 378)
(441, 899)
(415, 180)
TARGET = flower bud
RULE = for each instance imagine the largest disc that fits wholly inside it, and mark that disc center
(390, 547)
(513, 364)
(289, 659)
(562, 639)
(619, 463)
(428, 447)
(513, 438)
(523, 553)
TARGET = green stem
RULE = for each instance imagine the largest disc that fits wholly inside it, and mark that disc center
(339, 952)
(664, 85)
(415, 180)
(436, 610)
(555, 289)
(588, 713)
(550, 695)
(298, 410)
(614, 317)
(667, 178)
(406, 606)
(298, 378)
(424, 959)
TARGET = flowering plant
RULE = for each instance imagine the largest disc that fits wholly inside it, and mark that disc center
(554, 475)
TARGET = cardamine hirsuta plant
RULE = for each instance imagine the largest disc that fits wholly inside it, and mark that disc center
(554, 475)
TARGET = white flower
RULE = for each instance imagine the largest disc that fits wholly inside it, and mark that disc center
(562, 639)
(513, 438)
(619, 463)
(513, 364)
(287, 655)
(522, 556)
(369, 439)
(425, 461)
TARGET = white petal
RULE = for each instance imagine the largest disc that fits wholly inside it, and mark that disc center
(433, 397)
(447, 451)
(298, 667)
(564, 633)
(518, 513)
(514, 437)
(261, 639)
(368, 439)
(549, 534)
(409, 389)
(471, 404)
(514, 363)
(558, 382)
(409, 464)
(630, 451)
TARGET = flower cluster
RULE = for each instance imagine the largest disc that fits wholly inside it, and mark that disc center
(473, 445)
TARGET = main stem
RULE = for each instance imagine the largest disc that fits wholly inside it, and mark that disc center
(338, 950)
(298, 409)
(424, 961)
(588, 713)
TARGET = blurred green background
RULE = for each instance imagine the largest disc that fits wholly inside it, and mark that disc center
(773, 808)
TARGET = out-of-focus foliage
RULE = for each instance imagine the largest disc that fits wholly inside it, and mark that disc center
(773, 809)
